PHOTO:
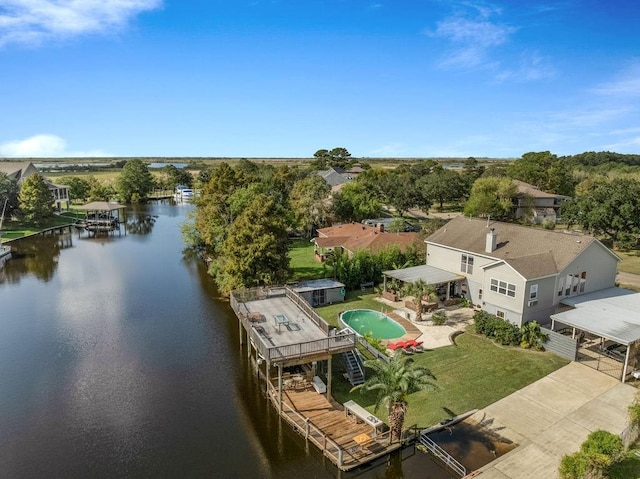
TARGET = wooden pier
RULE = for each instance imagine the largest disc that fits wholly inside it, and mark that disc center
(284, 332)
(347, 441)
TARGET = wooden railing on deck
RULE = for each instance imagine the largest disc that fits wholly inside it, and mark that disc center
(336, 342)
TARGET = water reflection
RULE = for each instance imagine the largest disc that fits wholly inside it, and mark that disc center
(119, 359)
(139, 221)
(36, 256)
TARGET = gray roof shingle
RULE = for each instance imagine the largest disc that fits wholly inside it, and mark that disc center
(533, 252)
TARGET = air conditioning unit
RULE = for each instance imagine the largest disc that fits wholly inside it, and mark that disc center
(533, 302)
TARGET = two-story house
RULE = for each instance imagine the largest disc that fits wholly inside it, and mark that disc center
(520, 273)
(536, 205)
(20, 170)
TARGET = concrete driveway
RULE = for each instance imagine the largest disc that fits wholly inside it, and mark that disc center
(553, 417)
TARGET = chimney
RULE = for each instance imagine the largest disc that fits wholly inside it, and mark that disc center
(491, 241)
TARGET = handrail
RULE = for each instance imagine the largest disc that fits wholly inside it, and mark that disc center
(335, 342)
(376, 354)
(443, 455)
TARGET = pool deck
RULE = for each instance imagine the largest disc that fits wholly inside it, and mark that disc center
(432, 336)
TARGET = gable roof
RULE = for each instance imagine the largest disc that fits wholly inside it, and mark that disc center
(335, 176)
(534, 191)
(16, 170)
(532, 252)
(355, 236)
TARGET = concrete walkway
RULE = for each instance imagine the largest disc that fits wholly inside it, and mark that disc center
(552, 417)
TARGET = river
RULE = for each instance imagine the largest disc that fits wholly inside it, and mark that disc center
(118, 359)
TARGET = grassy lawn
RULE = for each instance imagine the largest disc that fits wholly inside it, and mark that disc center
(19, 229)
(471, 374)
(630, 261)
(628, 467)
(353, 300)
(304, 263)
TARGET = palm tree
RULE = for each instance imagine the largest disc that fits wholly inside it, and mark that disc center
(418, 290)
(532, 336)
(392, 382)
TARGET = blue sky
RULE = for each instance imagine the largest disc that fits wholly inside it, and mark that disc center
(284, 78)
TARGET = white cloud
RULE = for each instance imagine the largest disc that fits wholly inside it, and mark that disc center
(34, 21)
(625, 85)
(44, 146)
(471, 39)
(531, 67)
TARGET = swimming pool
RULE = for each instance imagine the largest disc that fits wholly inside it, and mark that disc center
(368, 321)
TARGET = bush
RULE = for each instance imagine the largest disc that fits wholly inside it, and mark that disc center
(549, 224)
(504, 332)
(439, 318)
(597, 454)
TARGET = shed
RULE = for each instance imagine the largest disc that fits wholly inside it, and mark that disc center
(320, 292)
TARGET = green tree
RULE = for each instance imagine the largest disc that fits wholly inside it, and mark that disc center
(608, 207)
(443, 185)
(544, 170)
(308, 201)
(177, 176)
(255, 251)
(392, 382)
(99, 191)
(214, 213)
(36, 201)
(78, 187)
(355, 202)
(8, 190)
(135, 182)
(491, 197)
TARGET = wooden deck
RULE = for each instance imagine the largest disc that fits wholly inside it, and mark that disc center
(325, 424)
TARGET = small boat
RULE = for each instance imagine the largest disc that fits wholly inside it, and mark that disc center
(183, 193)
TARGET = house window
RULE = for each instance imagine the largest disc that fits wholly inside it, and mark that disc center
(560, 286)
(503, 287)
(480, 294)
(466, 264)
(567, 290)
(500, 314)
(583, 280)
(533, 292)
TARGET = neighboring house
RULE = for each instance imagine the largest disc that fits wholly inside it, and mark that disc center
(336, 176)
(21, 170)
(352, 237)
(535, 204)
(520, 273)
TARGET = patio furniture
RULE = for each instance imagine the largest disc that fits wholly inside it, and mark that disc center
(280, 320)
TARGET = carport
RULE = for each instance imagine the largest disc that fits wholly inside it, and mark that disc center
(610, 314)
(428, 274)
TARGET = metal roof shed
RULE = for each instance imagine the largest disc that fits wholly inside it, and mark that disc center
(612, 313)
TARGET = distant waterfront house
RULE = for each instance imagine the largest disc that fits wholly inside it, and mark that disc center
(520, 273)
(21, 170)
(351, 237)
(535, 204)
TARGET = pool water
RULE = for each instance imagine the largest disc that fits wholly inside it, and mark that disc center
(375, 323)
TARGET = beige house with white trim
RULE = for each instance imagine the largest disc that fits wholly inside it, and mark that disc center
(520, 273)
(21, 170)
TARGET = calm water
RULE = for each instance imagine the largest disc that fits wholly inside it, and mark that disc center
(118, 359)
